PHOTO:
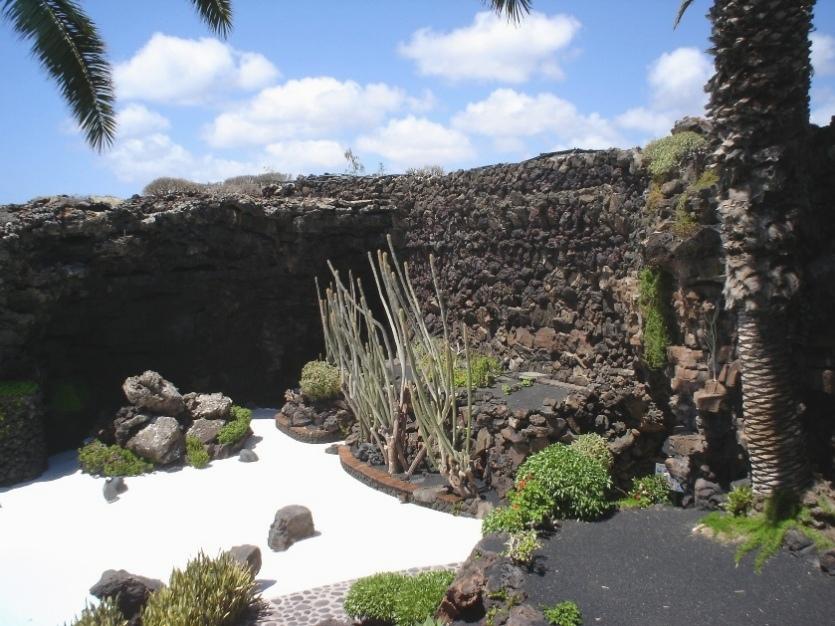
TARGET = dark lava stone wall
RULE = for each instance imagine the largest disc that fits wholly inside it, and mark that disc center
(217, 295)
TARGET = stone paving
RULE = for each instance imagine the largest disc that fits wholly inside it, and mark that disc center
(312, 606)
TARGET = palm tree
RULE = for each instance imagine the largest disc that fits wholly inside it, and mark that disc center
(759, 103)
(69, 48)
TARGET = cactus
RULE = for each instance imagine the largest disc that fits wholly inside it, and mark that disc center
(360, 346)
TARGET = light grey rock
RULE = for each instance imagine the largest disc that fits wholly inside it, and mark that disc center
(292, 523)
(427, 495)
(247, 456)
(208, 406)
(205, 430)
(247, 555)
(113, 487)
(161, 442)
(151, 391)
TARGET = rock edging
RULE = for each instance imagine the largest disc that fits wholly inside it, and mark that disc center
(304, 434)
(381, 481)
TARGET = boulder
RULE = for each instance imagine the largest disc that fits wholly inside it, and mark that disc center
(827, 562)
(113, 487)
(128, 590)
(292, 523)
(464, 598)
(151, 391)
(162, 441)
(247, 456)
(127, 423)
(208, 406)
(247, 555)
(205, 430)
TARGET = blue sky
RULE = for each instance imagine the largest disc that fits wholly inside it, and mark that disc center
(403, 83)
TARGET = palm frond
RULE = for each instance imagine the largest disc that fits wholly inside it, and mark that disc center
(216, 13)
(682, 9)
(515, 10)
(69, 48)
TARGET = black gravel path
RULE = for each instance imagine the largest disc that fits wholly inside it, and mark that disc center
(647, 568)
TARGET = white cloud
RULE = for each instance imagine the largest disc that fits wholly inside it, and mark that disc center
(507, 113)
(415, 142)
(823, 107)
(141, 159)
(491, 48)
(135, 119)
(310, 107)
(303, 157)
(187, 71)
(823, 53)
(676, 82)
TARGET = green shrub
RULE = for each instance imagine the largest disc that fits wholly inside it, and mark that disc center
(502, 519)
(100, 460)
(507, 389)
(740, 501)
(575, 483)
(521, 546)
(237, 427)
(665, 155)
(649, 490)
(484, 370)
(526, 382)
(216, 592)
(684, 224)
(106, 613)
(653, 290)
(655, 198)
(196, 454)
(17, 388)
(594, 446)
(563, 614)
(166, 185)
(320, 381)
(708, 179)
(397, 598)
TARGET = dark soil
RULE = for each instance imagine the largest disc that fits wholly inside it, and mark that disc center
(647, 568)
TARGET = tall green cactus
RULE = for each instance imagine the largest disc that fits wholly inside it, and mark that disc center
(428, 390)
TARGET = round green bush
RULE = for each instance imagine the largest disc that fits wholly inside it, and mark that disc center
(99, 459)
(320, 381)
(397, 598)
(503, 519)
(210, 592)
(594, 446)
(576, 484)
(649, 490)
(564, 614)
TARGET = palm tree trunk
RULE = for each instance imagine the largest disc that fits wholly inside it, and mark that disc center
(772, 416)
(759, 103)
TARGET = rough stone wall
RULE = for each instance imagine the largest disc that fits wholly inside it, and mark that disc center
(22, 446)
(539, 259)
(215, 294)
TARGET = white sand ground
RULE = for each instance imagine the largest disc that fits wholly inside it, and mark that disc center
(57, 534)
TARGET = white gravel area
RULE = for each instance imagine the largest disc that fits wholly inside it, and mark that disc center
(57, 533)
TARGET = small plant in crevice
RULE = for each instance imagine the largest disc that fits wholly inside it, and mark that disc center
(684, 223)
(653, 300)
(99, 459)
(526, 382)
(320, 381)
(646, 491)
(507, 389)
(740, 501)
(521, 547)
(196, 454)
(484, 370)
(565, 613)
(106, 613)
(666, 155)
(765, 532)
(655, 198)
(236, 428)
